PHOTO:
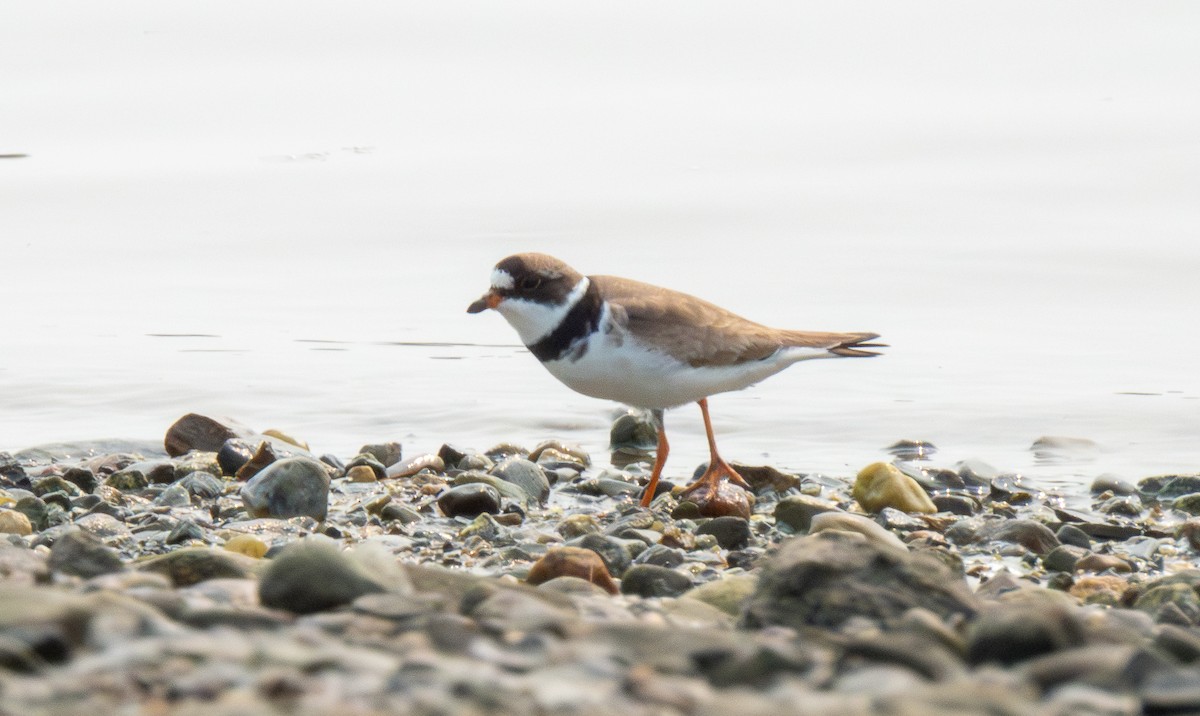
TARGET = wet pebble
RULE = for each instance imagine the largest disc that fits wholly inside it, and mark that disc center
(572, 562)
(615, 552)
(528, 476)
(469, 500)
(1113, 484)
(288, 488)
(369, 461)
(650, 580)
(1064, 557)
(882, 484)
(233, 454)
(386, 454)
(199, 432)
(1189, 503)
(202, 485)
(727, 500)
(1072, 535)
(797, 511)
(416, 464)
(361, 473)
(956, 504)
(730, 532)
(1008, 634)
(14, 522)
(84, 555)
(663, 556)
(313, 575)
(1033, 536)
(832, 577)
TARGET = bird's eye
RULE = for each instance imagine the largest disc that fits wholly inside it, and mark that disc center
(530, 283)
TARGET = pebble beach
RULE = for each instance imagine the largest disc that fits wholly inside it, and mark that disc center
(231, 571)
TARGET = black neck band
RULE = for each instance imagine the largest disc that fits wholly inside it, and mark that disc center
(581, 320)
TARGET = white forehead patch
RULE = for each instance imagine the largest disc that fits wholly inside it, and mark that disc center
(502, 279)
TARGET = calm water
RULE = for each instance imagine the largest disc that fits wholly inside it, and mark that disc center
(280, 212)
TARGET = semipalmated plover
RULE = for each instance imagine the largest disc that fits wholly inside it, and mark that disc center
(646, 346)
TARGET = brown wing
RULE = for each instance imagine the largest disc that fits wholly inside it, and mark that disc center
(700, 333)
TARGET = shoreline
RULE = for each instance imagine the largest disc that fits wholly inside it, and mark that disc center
(245, 572)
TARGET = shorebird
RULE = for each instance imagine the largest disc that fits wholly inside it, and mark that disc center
(648, 347)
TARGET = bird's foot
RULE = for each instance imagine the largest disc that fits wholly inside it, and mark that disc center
(709, 484)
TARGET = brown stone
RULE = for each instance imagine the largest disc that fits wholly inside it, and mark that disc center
(727, 500)
(199, 432)
(572, 562)
(263, 456)
(1093, 562)
(361, 473)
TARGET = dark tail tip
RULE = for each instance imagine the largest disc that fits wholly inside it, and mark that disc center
(856, 348)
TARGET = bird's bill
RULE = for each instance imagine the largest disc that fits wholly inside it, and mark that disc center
(491, 299)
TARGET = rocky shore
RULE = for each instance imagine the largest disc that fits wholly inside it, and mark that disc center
(227, 571)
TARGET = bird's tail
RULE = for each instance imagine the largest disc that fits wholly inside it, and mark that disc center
(856, 344)
(850, 345)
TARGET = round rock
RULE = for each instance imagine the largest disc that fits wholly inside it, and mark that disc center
(14, 523)
(313, 575)
(649, 580)
(615, 552)
(881, 485)
(203, 485)
(291, 487)
(833, 576)
(731, 532)
(527, 475)
(572, 562)
(469, 500)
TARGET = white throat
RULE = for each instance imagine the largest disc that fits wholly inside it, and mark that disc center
(534, 320)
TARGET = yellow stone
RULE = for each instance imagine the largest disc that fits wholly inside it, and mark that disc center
(14, 523)
(361, 473)
(280, 435)
(248, 545)
(881, 485)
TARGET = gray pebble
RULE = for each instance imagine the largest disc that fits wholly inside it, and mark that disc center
(174, 496)
(731, 532)
(290, 487)
(202, 485)
(832, 577)
(1063, 557)
(387, 454)
(313, 575)
(527, 475)
(1127, 505)
(615, 552)
(35, 509)
(797, 511)
(650, 580)
(80, 553)
(956, 504)
(662, 556)
(1016, 632)
(1070, 534)
(184, 532)
(1113, 484)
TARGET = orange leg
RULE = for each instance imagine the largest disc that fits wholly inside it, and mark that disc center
(717, 467)
(660, 459)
